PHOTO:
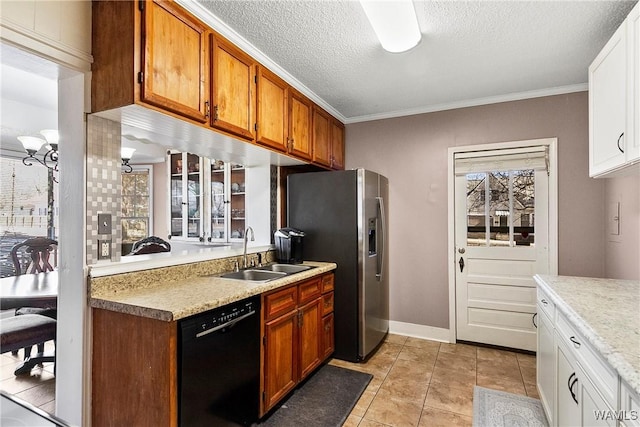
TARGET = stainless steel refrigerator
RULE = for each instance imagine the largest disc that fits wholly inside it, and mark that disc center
(345, 217)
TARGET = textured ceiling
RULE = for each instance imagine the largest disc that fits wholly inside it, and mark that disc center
(471, 52)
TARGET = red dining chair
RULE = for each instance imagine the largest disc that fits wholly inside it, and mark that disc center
(32, 256)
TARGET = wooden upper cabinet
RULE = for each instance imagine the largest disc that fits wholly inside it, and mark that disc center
(337, 145)
(321, 137)
(149, 52)
(232, 89)
(175, 60)
(300, 119)
(271, 110)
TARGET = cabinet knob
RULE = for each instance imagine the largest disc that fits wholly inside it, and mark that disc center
(619, 138)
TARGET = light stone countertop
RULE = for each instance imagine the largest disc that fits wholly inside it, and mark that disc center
(607, 313)
(179, 298)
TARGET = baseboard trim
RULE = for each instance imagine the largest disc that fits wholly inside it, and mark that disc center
(419, 331)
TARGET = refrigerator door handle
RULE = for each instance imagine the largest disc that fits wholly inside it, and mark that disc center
(381, 251)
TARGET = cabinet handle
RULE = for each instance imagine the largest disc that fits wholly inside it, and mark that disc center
(544, 301)
(620, 137)
(533, 319)
(570, 384)
(575, 341)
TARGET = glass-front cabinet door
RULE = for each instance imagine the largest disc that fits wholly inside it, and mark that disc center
(186, 195)
(227, 201)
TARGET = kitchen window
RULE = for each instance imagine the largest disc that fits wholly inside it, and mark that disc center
(136, 204)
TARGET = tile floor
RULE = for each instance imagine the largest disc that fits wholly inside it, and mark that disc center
(415, 382)
(426, 383)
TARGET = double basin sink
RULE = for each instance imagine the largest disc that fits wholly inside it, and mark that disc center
(266, 273)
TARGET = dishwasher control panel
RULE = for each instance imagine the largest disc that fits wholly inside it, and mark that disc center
(219, 318)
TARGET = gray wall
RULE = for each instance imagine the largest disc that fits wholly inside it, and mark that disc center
(622, 251)
(412, 152)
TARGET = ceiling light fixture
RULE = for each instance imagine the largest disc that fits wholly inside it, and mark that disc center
(126, 153)
(33, 144)
(394, 22)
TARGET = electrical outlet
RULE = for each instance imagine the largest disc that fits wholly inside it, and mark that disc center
(104, 249)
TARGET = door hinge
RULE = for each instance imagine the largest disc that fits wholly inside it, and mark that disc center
(140, 77)
(141, 5)
(255, 79)
(264, 396)
(264, 340)
(255, 127)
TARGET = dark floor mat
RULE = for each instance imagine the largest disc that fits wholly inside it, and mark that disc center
(324, 400)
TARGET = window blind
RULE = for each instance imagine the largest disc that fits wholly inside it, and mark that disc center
(536, 158)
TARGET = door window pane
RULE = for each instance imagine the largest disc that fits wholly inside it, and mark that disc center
(135, 205)
(506, 216)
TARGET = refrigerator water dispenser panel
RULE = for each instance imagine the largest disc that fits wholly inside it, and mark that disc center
(373, 224)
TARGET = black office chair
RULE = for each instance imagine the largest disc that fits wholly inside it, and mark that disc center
(150, 245)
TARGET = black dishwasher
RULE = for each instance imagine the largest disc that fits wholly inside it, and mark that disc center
(219, 364)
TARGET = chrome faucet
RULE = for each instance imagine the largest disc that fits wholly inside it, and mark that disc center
(244, 256)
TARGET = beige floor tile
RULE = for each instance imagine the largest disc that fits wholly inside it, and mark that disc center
(495, 354)
(454, 379)
(411, 370)
(397, 339)
(363, 403)
(502, 384)
(413, 390)
(532, 390)
(526, 360)
(49, 407)
(389, 349)
(421, 343)
(528, 374)
(370, 423)
(419, 355)
(17, 384)
(389, 410)
(490, 368)
(432, 417)
(456, 362)
(352, 421)
(441, 396)
(460, 349)
(375, 383)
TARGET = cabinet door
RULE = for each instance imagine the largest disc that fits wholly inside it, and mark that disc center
(300, 117)
(310, 337)
(271, 110)
(186, 195)
(328, 338)
(175, 60)
(568, 410)
(321, 137)
(337, 145)
(545, 365)
(633, 78)
(280, 358)
(594, 411)
(233, 86)
(607, 106)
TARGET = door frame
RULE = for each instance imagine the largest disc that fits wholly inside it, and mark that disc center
(551, 143)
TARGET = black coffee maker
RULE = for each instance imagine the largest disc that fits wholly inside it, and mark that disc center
(289, 245)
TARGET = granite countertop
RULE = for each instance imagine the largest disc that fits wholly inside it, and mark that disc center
(607, 313)
(180, 298)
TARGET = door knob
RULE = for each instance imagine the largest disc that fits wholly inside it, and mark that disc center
(461, 250)
(461, 262)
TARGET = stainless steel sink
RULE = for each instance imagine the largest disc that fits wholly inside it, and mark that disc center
(254, 275)
(286, 268)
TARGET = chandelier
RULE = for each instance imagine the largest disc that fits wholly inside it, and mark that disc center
(33, 144)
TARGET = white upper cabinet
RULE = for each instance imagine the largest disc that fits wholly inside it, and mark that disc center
(613, 101)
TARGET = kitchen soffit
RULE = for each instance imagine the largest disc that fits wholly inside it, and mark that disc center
(472, 52)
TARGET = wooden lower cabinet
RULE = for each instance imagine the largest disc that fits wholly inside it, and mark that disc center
(296, 342)
(134, 371)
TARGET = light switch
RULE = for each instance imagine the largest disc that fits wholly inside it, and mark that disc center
(613, 218)
(104, 223)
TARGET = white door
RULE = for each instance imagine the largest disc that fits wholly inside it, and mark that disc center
(501, 233)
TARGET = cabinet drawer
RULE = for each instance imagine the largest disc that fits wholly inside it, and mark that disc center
(547, 306)
(327, 303)
(280, 302)
(327, 283)
(309, 290)
(599, 372)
